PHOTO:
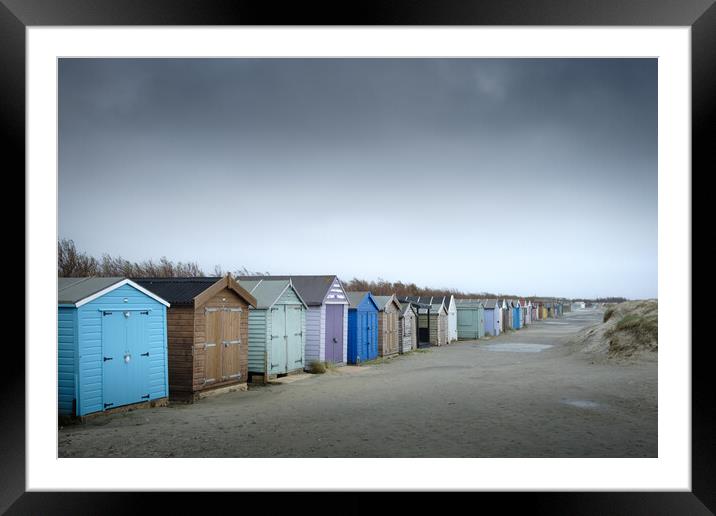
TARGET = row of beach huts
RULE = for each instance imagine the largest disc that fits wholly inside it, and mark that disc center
(123, 342)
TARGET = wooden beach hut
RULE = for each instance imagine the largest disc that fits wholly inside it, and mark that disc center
(470, 319)
(506, 315)
(362, 327)
(277, 326)
(438, 324)
(207, 333)
(388, 325)
(111, 345)
(326, 317)
(408, 327)
(423, 319)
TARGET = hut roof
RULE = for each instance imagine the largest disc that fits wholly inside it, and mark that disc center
(356, 298)
(470, 303)
(313, 289)
(268, 291)
(381, 301)
(490, 303)
(184, 291)
(78, 291)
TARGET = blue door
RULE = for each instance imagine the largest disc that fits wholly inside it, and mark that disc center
(372, 335)
(125, 358)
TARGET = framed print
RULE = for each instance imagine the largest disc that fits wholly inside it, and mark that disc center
(421, 248)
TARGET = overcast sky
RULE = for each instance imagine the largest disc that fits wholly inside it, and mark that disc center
(524, 176)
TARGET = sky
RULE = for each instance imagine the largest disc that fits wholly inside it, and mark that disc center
(519, 176)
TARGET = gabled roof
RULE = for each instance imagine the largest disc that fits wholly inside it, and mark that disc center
(490, 304)
(313, 289)
(195, 290)
(268, 291)
(382, 301)
(438, 306)
(79, 291)
(468, 303)
(356, 298)
(409, 306)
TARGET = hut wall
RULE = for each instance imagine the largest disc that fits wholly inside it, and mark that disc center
(315, 334)
(259, 335)
(66, 359)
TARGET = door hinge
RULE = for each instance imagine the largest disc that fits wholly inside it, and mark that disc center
(108, 405)
(145, 397)
(145, 354)
(104, 359)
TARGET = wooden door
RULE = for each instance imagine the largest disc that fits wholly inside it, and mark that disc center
(212, 349)
(294, 337)
(393, 331)
(278, 354)
(231, 343)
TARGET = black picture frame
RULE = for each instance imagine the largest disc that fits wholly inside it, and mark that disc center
(700, 15)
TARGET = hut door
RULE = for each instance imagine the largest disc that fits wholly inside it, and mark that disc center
(278, 355)
(125, 358)
(230, 343)
(371, 336)
(294, 337)
(212, 347)
(393, 331)
(334, 333)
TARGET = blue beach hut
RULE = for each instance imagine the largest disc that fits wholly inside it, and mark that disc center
(516, 314)
(362, 327)
(112, 345)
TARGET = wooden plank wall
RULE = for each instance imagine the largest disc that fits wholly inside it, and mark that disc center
(180, 338)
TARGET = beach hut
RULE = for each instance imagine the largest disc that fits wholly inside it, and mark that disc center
(388, 325)
(326, 317)
(438, 316)
(526, 308)
(423, 319)
(277, 326)
(534, 311)
(450, 305)
(493, 316)
(516, 314)
(566, 307)
(207, 333)
(408, 327)
(362, 327)
(111, 345)
(506, 315)
(543, 312)
(470, 319)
